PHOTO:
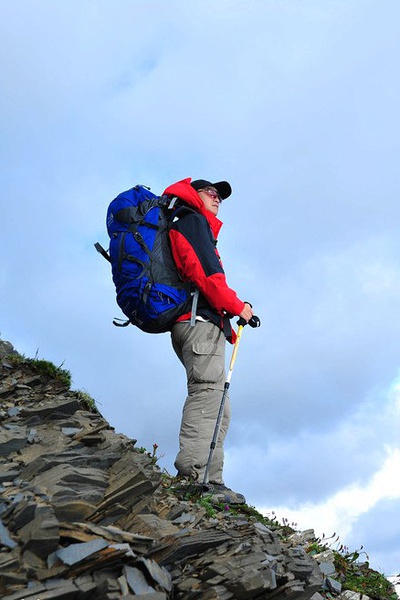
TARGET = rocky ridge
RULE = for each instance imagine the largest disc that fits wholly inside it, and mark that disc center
(84, 514)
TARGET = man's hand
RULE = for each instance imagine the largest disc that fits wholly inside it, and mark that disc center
(247, 312)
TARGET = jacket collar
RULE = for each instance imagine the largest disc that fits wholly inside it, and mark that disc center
(185, 192)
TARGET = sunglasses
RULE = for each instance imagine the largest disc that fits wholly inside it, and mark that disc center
(211, 192)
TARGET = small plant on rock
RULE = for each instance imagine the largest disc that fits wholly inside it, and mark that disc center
(152, 455)
(206, 503)
(359, 577)
(87, 401)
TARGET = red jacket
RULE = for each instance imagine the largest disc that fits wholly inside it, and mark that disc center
(193, 244)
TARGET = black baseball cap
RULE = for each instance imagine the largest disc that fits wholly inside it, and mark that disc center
(223, 187)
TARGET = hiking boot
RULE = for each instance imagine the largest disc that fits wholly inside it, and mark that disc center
(223, 495)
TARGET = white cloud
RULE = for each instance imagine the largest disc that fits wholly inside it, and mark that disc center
(340, 512)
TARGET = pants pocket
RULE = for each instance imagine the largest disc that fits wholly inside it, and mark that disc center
(208, 363)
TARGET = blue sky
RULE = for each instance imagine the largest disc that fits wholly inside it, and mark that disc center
(295, 103)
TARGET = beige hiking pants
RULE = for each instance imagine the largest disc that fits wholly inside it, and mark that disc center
(201, 349)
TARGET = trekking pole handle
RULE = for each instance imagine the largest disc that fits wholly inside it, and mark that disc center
(253, 322)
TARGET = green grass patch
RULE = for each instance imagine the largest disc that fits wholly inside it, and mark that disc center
(86, 401)
(45, 368)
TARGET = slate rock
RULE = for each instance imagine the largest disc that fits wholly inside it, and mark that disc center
(6, 349)
(41, 534)
(88, 516)
(8, 475)
(74, 510)
(66, 482)
(157, 573)
(332, 585)
(327, 568)
(75, 553)
(23, 513)
(350, 595)
(12, 441)
(52, 410)
(5, 539)
(137, 580)
(150, 596)
(301, 564)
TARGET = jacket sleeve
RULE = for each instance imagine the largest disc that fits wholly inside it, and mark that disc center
(194, 253)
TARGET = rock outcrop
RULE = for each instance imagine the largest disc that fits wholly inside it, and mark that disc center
(84, 514)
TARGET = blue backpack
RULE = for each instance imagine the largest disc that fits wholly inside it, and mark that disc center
(150, 292)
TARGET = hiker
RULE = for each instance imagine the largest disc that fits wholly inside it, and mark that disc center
(200, 345)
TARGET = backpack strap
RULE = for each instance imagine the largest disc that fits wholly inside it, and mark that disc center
(194, 307)
(121, 322)
(103, 252)
(179, 211)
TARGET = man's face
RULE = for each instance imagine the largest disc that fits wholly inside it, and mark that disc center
(211, 199)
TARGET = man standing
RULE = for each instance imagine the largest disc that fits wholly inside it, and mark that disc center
(200, 343)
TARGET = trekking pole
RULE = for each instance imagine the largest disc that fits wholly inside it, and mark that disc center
(254, 322)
